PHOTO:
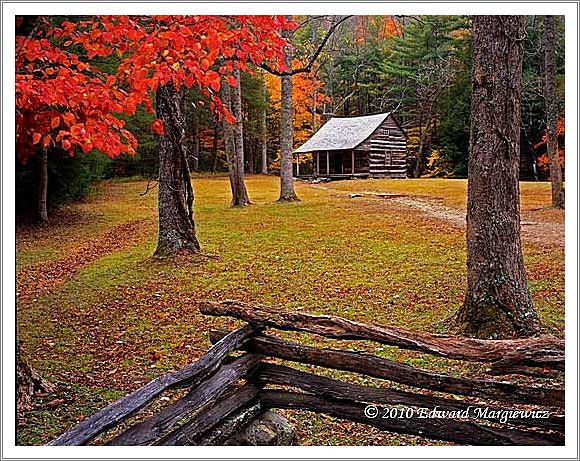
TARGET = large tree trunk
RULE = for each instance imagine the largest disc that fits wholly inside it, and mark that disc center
(42, 212)
(264, 127)
(176, 225)
(233, 144)
(552, 110)
(498, 301)
(287, 193)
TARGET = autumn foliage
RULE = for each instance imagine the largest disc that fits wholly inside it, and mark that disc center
(307, 101)
(543, 159)
(379, 28)
(61, 101)
(65, 101)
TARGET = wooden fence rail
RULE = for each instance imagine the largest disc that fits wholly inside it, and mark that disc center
(543, 351)
(448, 429)
(226, 392)
(152, 428)
(125, 407)
(382, 368)
(322, 386)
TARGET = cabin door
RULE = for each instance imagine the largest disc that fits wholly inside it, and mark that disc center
(336, 163)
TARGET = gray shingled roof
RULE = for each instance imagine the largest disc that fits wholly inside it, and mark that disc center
(343, 133)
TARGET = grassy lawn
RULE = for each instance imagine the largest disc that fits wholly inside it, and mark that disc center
(100, 318)
(535, 196)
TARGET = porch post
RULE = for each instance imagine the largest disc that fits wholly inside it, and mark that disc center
(327, 163)
(297, 165)
(317, 164)
(352, 164)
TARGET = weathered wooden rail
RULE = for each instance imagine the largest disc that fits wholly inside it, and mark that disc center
(225, 392)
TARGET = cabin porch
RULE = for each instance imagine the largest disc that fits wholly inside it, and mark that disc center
(334, 164)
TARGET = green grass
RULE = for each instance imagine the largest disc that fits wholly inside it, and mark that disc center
(453, 192)
(124, 318)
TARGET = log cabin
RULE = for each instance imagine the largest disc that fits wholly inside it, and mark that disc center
(371, 146)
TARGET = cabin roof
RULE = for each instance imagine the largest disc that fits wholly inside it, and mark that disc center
(341, 133)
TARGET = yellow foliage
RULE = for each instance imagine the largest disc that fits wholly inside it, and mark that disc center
(302, 102)
(438, 166)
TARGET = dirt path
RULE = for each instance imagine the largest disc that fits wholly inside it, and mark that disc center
(532, 231)
(537, 232)
(40, 279)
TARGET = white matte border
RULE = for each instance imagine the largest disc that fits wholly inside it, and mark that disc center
(11, 9)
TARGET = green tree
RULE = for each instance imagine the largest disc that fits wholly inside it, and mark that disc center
(422, 65)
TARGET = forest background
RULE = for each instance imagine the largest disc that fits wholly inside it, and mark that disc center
(417, 66)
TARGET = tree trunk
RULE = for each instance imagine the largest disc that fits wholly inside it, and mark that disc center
(420, 155)
(552, 110)
(233, 143)
(176, 225)
(216, 127)
(196, 142)
(314, 92)
(242, 199)
(229, 145)
(424, 135)
(264, 128)
(287, 193)
(249, 155)
(28, 384)
(498, 301)
(314, 103)
(42, 212)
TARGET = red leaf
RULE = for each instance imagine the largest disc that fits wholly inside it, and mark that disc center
(233, 81)
(86, 146)
(215, 85)
(76, 130)
(157, 127)
(229, 117)
(36, 138)
(55, 122)
(213, 80)
(68, 118)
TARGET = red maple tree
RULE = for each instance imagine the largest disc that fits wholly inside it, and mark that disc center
(540, 147)
(543, 159)
(64, 101)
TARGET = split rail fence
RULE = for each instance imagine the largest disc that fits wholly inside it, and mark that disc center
(237, 380)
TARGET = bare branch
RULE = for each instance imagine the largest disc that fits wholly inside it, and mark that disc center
(308, 20)
(149, 186)
(313, 58)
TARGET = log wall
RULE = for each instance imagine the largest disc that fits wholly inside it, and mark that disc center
(387, 150)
